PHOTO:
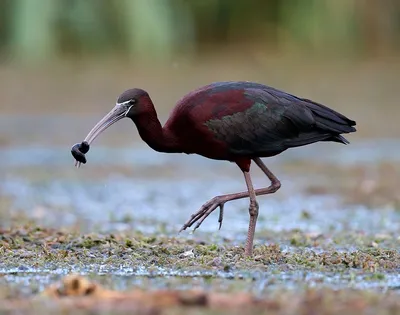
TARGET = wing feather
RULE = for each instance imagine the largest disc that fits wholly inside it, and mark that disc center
(277, 121)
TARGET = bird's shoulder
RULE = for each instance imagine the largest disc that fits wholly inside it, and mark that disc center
(238, 107)
(236, 103)
(256, 117)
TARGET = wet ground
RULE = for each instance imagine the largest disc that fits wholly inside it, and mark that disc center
(329, 236)
(334, 224)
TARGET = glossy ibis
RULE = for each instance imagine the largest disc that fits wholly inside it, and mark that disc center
(235, 121)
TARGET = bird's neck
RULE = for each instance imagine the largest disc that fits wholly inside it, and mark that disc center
(158, 138)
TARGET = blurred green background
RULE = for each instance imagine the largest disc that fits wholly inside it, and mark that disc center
(40, 30)
(75, 56)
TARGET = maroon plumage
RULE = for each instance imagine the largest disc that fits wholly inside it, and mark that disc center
(234, 121)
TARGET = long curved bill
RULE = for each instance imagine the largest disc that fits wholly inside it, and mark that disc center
(117, 113)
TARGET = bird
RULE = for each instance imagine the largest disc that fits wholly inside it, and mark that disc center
(236, 121)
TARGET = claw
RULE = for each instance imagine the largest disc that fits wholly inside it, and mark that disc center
(184, 227)
(221, 215)
(204, 212)
(193, 218)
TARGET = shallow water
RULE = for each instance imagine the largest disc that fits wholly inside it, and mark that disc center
(134, 188)
(122, 203)
(258, 283)
(166, 188)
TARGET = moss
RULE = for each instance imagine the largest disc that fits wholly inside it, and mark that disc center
(128, 243)
(212, 247)
(375, 276)
(29, 247)
(305, 215)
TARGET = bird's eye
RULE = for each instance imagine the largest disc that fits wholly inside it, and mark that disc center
(132, 101)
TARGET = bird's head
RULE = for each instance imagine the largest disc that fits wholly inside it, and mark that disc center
(129, 104)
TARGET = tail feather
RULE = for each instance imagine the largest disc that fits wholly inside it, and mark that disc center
(329, 125)
(338, 138)
(308, 138)
(330, 120)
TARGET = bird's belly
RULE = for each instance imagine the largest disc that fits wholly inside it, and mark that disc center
(199, 140)
(210, 150)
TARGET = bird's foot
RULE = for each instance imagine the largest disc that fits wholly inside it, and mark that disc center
(205, 211)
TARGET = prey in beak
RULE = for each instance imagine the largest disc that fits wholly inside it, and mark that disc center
(120, 111)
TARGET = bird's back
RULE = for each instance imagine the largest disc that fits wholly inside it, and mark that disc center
(228, 119)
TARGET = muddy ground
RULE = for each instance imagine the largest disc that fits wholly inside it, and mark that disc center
(326, 242)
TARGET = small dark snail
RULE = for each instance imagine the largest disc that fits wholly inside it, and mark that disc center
(79, 150)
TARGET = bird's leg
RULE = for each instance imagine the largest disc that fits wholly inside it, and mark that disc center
(219, 201)
(275, 183)
(253, 211)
